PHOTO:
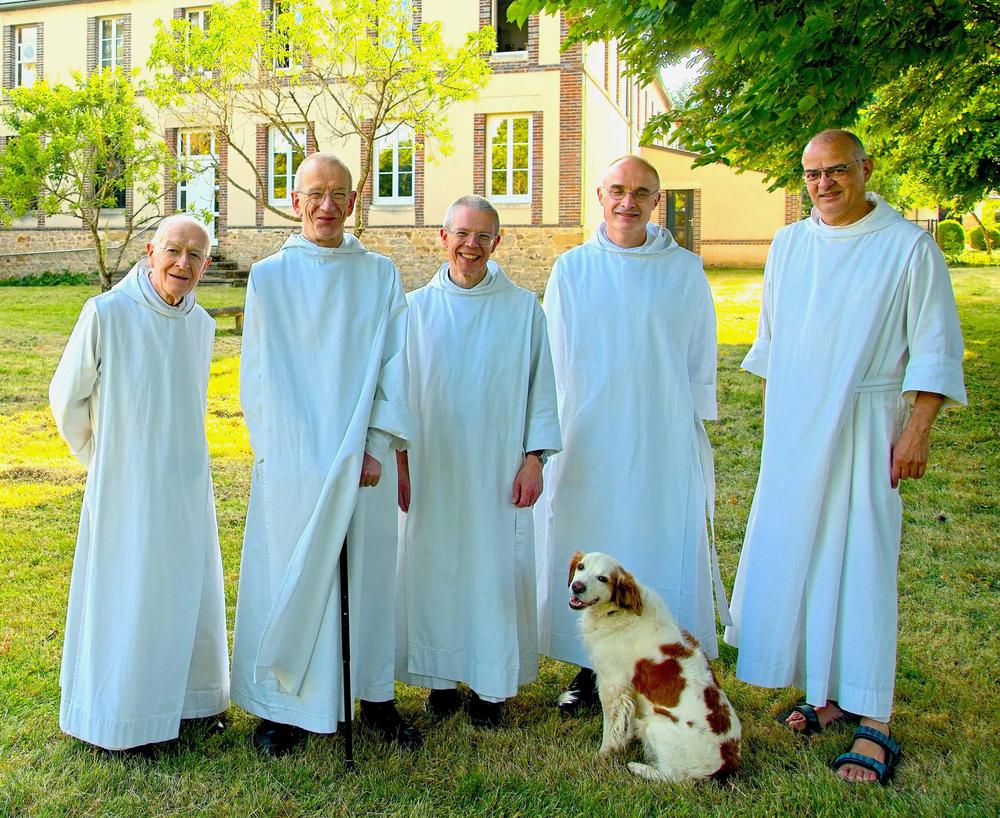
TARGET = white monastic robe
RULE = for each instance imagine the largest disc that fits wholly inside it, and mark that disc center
(634, 350)
(322, 380)
(855, 320)
(145, 641)
(481, 386)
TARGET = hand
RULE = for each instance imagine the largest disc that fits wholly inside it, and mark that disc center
(371, 471)
(403, 485)
(527, 483)
(908, 459)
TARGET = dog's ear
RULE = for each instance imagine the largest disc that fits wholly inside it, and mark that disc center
(573, 562)
(625, 591)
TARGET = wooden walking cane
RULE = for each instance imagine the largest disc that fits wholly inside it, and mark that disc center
(345, 648)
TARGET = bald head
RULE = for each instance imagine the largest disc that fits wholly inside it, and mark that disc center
(187, 224)
(322, 158)
(838, 136)
(632, 163)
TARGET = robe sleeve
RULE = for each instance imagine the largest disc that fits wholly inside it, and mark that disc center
(756, 359)
(541, 427)
(703, 354)
(251, 391)
(390, 413)
(933, 333)
(74, 384)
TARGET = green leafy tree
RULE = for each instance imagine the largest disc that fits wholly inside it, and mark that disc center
(77, 148)
(919, 77)
(358, 67)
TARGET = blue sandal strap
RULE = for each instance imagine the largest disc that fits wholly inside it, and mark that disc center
(881, 770)
(887, 743)
(810, 715)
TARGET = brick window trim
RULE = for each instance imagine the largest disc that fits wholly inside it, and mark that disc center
(515, 61)
(480, 162)
(94, 41)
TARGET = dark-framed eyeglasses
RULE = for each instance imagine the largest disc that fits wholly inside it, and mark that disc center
(835, 172)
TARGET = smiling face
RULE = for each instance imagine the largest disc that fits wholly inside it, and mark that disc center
(626, 218)
(839, 201)
(178, 260)
(323, 201)
(469, 240)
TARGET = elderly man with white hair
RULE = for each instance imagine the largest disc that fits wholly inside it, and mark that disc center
(323, 389)
(145, 643)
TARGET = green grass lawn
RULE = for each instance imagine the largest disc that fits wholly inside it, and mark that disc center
(947, 695)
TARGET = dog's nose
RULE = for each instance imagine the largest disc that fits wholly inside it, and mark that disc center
(578, 587)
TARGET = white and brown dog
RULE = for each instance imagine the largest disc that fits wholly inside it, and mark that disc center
(653, 679)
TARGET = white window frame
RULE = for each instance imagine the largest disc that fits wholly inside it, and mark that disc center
(197, 16)
(117, 36)
(492, 127)
(390, 141)
(183, 152)
(273, 134)
(285, 63)
(21, 62)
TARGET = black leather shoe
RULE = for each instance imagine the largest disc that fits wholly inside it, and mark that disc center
(580, 695)
(443, 703)
(274, 739)
(384, 719)
(485, 714)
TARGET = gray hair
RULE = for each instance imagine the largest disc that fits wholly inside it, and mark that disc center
(326, 158)
(834, 134)
(181, 218)
(474, 202)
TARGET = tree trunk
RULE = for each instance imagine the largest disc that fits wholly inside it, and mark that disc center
(987, 238)
(366, 172)
(102, 265)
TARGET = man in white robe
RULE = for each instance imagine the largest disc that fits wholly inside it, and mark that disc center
(632, 329)
(859, 345)
(323, 390)
(145, 643)
(481, 386)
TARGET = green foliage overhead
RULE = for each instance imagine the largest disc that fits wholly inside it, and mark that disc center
(918, 77)
(77, 148)
(361, 68)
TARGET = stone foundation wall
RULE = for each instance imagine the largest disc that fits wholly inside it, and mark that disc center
(55, 249)
(526, 253)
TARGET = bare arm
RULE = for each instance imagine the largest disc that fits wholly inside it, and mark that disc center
(911, 450)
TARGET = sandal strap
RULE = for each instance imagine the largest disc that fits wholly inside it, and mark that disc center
(810, 715)
(881, 770)
(887, 743)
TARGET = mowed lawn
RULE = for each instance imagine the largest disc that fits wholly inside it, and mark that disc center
(948, 691)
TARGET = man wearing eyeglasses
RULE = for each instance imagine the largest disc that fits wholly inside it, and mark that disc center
(859, 345)
(323, 389)
(632, 328)
(482, 389)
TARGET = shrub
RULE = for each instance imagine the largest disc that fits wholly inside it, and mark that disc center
(991, 209)
(977, 241)
(950, 237)
(47, 279)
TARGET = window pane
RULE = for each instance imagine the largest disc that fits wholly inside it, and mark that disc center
(280, 186)
(385, 161)
(200, 143)
(385, 185)
(521, 129)
(406, 184)
(520, 182)
(405, 158)
(281, 164)
(521, 157)
(105, 53)
(498, 183)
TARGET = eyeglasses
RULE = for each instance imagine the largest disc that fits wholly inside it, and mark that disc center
(836, 172)
(617, 192)
(316, 197)
(173, 252)
(483, 239)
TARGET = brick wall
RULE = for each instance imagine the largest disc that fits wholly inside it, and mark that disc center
(793, 207)
(696, 222)
(537, 143)
(418, 181)
(570, 130)
(479, 154)
(170, 136)
(261, 161)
